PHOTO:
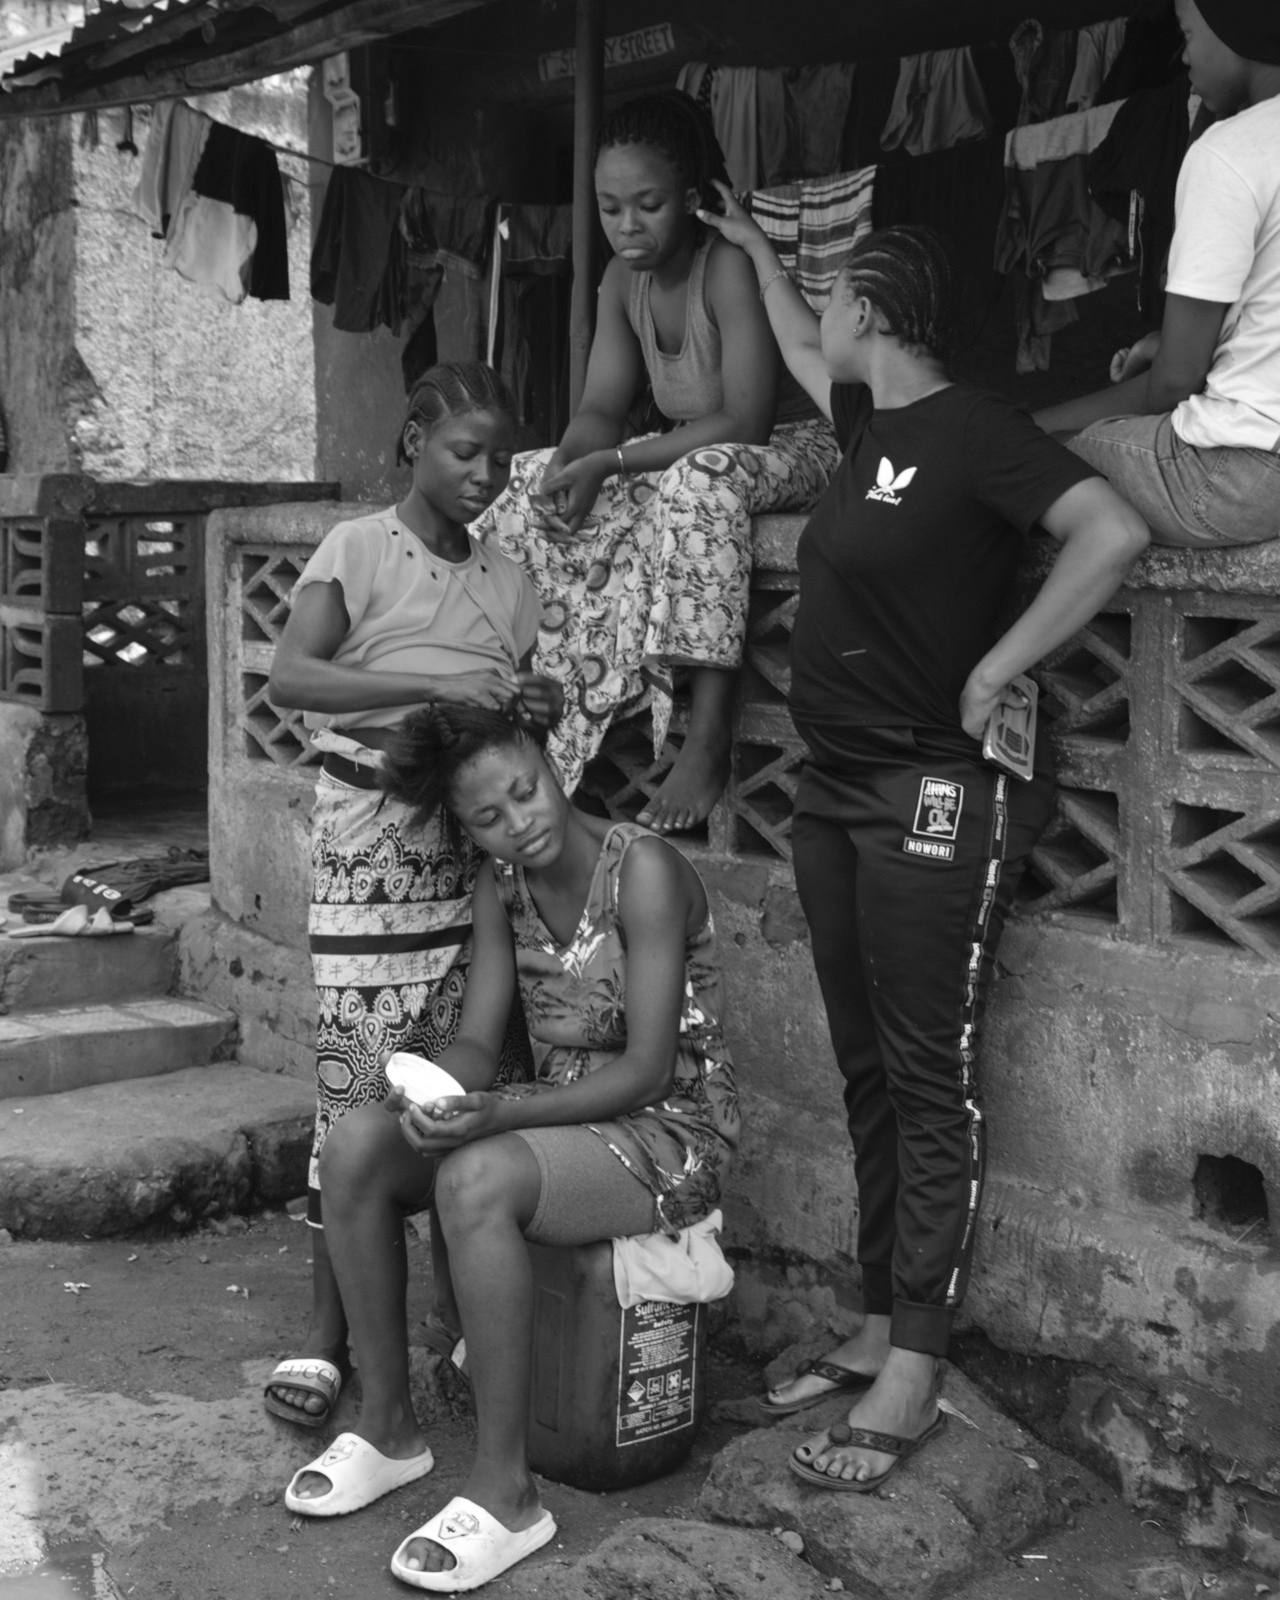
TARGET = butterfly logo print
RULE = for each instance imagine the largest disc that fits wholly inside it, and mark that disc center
(889, 484)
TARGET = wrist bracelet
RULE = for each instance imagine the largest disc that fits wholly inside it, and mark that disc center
(780, 273)
(622, 460)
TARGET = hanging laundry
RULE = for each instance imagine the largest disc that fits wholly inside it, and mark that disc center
(243, 171)
(174, 147)
(352, 257)
(729, 93)
(1097, 47)
(937, 103)
(1045, 64)
(1140, 157)
(442, 233)
(211, 244)
(1151, 55)
(1050, 229)
(537, 248)
(816, 108)
(814, 225)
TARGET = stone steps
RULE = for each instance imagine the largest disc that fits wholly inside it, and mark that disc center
(152, 1154)
(67, 972)
(55, 1049)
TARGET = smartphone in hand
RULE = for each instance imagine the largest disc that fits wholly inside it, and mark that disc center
(1009, 740)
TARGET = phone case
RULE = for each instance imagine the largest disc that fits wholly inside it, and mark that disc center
(1010, 737)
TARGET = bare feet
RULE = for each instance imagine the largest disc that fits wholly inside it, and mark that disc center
(513, 1501)
(866, 1352)
(400, 1440)
(903, 1401)
(694, 784)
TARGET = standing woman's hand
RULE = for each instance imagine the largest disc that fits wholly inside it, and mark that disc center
(569, 494)
(733, 223)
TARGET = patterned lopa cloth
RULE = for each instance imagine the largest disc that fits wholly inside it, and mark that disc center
(575, 998)
(390, 932)
(659, 576)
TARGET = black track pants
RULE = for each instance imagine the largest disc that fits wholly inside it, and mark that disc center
(907, 852)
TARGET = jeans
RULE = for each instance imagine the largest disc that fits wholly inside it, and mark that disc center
(1188, 496)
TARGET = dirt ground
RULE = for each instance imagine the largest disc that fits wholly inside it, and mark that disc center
(166, 1324)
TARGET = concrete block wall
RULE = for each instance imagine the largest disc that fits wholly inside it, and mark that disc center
(1129, 1054)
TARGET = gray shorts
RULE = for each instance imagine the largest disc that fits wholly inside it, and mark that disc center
(1203, 499)
(587, 1193)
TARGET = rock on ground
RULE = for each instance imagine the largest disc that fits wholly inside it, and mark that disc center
(969, 1498)
(660, 1558)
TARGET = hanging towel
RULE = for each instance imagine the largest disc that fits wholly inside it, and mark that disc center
(814, 225)
(211, 245)
(689, 1269)
(938, 102)
(174, 147)
(243, 172)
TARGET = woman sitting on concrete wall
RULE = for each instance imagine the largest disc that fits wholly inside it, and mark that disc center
(907, 843)
(641, 548)
(1190, 430)
(629, 1128)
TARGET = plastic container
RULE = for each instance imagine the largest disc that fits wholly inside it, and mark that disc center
(617, 1396)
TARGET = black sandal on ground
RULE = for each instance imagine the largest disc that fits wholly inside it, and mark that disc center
(841, 1379)
(841, 1436)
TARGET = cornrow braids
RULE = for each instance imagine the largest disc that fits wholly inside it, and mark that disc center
(454, 389)
(907, 274)
(431, 747)
(674, 124)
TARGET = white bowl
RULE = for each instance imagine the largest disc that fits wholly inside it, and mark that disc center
(420, 1080)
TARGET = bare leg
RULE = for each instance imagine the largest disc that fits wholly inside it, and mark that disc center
(866, 1351)
(369, 1176)
(486, 1195)
(701, 770)
(444, 1301)
(903, 1401)
(327, 1335)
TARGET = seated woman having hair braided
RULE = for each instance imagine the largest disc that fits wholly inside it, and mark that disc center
(629, 1127)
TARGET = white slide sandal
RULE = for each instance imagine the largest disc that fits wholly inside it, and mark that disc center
(482, 1548)
(358, 1475)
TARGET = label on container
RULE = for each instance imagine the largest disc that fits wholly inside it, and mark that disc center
(656, 1370)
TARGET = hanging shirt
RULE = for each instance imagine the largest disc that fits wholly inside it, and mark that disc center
(174, 146)
(938, 102)
(1226, 247)
(211, 245)
(243, 171)
(908, 561)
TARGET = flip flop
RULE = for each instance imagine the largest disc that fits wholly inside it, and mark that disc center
(480, 1545)
(312, 1374)
(842, 1380)
(841, 1435)
(359, 1475)
(102, 925)
(75, 919)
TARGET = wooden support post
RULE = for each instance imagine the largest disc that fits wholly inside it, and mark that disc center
(588, 97)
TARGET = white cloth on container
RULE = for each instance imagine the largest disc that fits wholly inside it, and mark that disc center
(689, 1268)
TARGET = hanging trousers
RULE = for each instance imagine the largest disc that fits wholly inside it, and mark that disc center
(908, 849)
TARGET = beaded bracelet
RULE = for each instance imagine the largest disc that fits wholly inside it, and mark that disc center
(780, 273)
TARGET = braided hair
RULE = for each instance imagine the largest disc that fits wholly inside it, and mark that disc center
(454, 389)
(907, 274)
(432, 746)
(674, 124)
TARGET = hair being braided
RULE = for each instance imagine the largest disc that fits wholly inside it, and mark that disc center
(433, 745)
(907, 274)
(454, 389)
(674, 124)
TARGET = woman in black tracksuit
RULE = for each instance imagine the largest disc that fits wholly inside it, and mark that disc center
(907, 845)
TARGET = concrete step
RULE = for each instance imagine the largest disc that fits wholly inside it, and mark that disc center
(58, 1048)
(152, 1154)
(64, 972)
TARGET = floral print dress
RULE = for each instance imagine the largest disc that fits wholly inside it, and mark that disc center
(575, 998)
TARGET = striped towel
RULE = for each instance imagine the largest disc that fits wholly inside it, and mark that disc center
(813, 225)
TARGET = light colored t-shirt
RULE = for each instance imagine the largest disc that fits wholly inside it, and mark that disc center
(1226, 246)
(411, 612)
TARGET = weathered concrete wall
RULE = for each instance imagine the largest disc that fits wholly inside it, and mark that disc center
(1124, 1041)
(110, 363)
(42, 781)
(37, 290)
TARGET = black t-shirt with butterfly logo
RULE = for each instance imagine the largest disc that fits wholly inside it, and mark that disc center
(907, 561)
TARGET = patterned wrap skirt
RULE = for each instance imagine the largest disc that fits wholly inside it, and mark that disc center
(390, 931)
(658, 578)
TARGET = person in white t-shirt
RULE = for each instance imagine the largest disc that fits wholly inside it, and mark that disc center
(1190, 430)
